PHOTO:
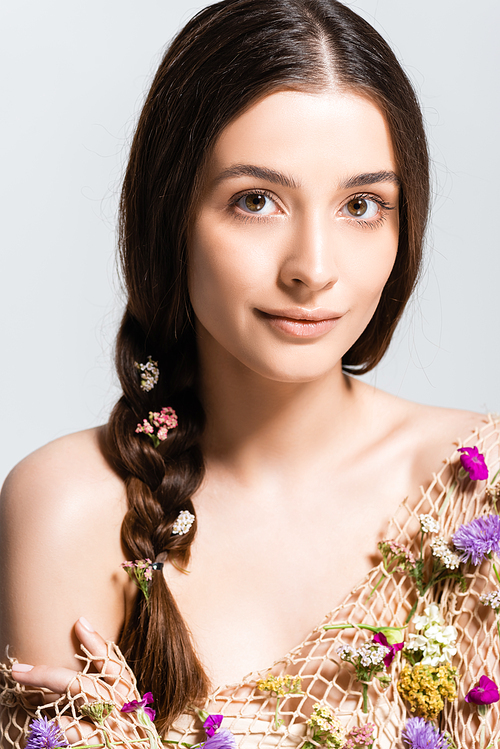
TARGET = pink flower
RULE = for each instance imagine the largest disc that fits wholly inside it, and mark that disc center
(136, 705)
(473, 462)
(381, 639)
(484, 693)
(163, 420)
(212, 724)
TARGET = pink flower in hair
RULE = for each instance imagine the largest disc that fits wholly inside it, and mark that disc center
(163, 420)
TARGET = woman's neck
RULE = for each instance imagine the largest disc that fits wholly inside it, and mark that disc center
(253, 421)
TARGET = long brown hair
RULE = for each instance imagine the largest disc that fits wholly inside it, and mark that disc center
(225, 58)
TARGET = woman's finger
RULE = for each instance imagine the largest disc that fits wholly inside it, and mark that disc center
(108, 662)
(54, 679)
(103, 657)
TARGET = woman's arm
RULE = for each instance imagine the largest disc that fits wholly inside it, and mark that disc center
(60, 554)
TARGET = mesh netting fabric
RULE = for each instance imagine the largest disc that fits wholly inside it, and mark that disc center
(19, 705)
(249, 713)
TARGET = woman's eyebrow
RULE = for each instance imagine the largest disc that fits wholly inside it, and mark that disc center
(278, 178)
(371, 178)
(258, 172)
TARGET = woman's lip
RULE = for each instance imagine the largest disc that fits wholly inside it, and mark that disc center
(302, 313)
(301, 327)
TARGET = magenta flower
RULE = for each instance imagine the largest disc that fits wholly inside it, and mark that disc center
(484, 693)
(473, 462)
(136, 705)
(478, 539)
(45, 734)
(393, 649)
(419, 734)
(212, 724)
(222, 739)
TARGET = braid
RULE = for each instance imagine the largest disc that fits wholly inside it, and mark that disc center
(159, 484)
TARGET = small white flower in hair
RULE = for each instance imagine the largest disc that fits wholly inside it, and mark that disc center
(149, 374)
(183, 524)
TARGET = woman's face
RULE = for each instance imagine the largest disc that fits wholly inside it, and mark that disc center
(295, 234)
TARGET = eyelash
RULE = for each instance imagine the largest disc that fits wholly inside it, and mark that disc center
(363, 224)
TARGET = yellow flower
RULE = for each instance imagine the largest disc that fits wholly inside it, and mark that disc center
(280, 685)
(426, 687)
(326, 727)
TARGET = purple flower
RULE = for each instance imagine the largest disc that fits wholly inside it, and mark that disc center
(135, 705)
(393, 649)
(45, 734)
(477, 539)
(485, 693)
(419, 734)
(212, 724)
(473, 462)
(223, 739)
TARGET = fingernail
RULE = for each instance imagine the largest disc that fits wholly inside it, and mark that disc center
(86, 624)
(21, 667)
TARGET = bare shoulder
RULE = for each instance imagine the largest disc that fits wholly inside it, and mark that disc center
(420, 434)
(61, 510)
(432, 433)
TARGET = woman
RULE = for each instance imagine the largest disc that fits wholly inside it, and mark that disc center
(272, 220)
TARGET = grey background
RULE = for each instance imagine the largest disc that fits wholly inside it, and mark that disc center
(74, 75)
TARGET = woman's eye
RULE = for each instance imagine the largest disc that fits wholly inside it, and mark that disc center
(256, 202)
(362, 208)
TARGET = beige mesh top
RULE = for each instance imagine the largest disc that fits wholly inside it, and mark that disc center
(249, 713)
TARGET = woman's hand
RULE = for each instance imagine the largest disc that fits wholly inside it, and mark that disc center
(105, 678)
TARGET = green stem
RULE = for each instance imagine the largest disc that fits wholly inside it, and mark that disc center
(496, 572)
(449, 495)
(494, 477)
(365, 698)
(412, 611)
(482, 735)
(347, 625)
(136, 741)
(375, 587)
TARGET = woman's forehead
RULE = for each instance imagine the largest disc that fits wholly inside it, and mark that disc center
(306, 137)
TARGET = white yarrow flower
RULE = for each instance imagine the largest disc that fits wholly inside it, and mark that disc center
(442, 551)
(491, 599)
(428, 524)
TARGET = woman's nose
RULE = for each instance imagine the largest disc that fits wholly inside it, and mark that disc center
(310, 258)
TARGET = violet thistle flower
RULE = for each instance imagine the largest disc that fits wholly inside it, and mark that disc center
(419, 734)
(478, 539)
(45, 734)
